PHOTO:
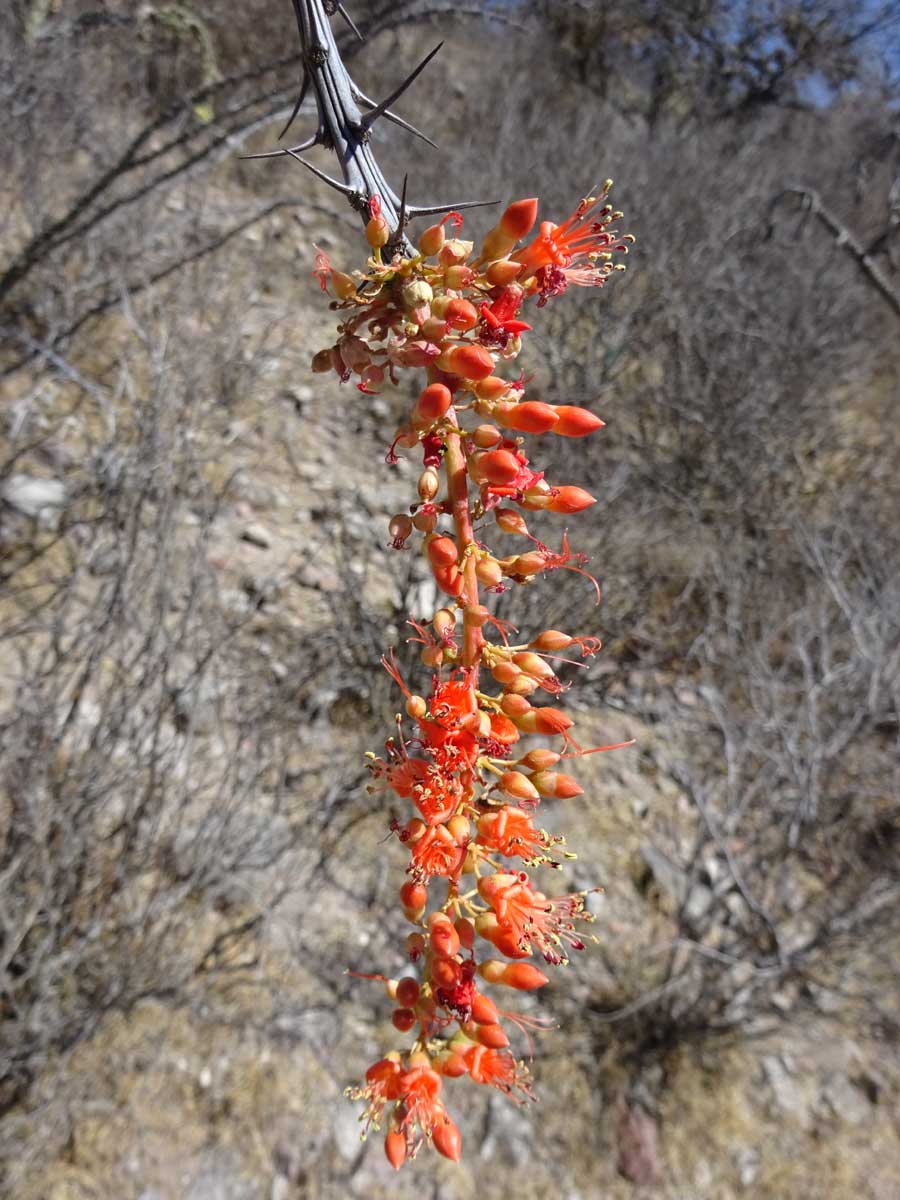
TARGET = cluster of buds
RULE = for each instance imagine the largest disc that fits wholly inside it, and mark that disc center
(460, 756)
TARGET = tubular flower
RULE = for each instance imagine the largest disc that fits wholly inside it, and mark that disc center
(456, 317)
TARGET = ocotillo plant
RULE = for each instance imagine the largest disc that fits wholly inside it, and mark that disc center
(455, 316)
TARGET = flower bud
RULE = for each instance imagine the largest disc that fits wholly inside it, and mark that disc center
(416, 294)
(466, 930)
(416, 707)
(531, 416)
(433, 330)
(485, 436)
(413, 895)
(400, 527)
(458, 277)
(443, 937)
(484, 1010)
(523, 685)
(395, 1148)
(540, 759)
(496, 244)
(378, 232)
(570, 500)
(446, 973)
(519, 786)
(503, 272)
(432, 240)
(468, 361)
(531, 563)
(506, 672)
(576, 422)
(533, 664)
(454, 250)
(434, 402)
(510, 521)
(491, 388)
(552, 720)
(519, 218)
(515, 706)
(552, 640)
(425, 521)
(429, 482)
(415, 946)
(476, 614)
(403, 1019)
(489, 572)
(498, 466)
(444, 622)
(446, 1138)
(555, 784)
(460, 315)
(450, 1064)
(442, 551)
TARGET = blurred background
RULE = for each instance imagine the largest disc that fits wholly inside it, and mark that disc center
(195, 589)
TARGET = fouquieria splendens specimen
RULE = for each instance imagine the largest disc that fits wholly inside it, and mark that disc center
(458, 757)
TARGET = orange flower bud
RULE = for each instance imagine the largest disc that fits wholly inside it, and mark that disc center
(450, 580)
(458, 277)
(445, 973)
(552, 720)
(576, 422)
(378, 232)
(531, 563)
(433, 656)
(434, 402)
(484, 1010)
(519, 786)
(502, 730)
(470, 362)
(498, 466)
(491, 1036)
(523, 976)
(488, 572)
(476, 615)
(416, 707)
(485, 436)
(519, 218)
(510, 521)
(466, 930)
(503, 271)
(552, 639)
(454, 250)
(531, 416)
(432, 240)
(433, 329)
(413, 895)
(523, 685)
(570, 500)
(443, 937)
(491, 388)
(555, 784)
(533, 664)
(461, 315)
(540, 759)
(444, 622)
(505, 672)
(446, 1138)
(459, 828)
(451, 1064)
(442, 551)
(496, 244)
(395, 1148)
(515, 706)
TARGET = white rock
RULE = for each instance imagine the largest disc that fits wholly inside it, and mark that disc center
(42, 499)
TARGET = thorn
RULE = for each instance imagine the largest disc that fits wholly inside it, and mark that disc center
(417, 210)
(307, 145)
(403, 216)
(361, 97)
(304, 88)
(344, 188)
(379, 110)
(340, 8)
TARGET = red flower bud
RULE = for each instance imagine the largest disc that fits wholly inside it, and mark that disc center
(484, 1010)
(510, 521)
(407, 991)
(442, 551)
(460, 314)
(498, 466)
(434, 401)
(570, 500)
(395, 1148)
(576, 422)
(519, 218)
(531, 416)
(446, 1138)
(470, 362)
(403, 1019)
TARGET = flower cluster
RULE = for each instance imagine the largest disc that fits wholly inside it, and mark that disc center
(459, 757)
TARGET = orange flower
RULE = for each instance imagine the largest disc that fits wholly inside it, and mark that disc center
(499, 1069)
(529, 918)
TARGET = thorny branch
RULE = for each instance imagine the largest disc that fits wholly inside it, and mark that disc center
(345, 128)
